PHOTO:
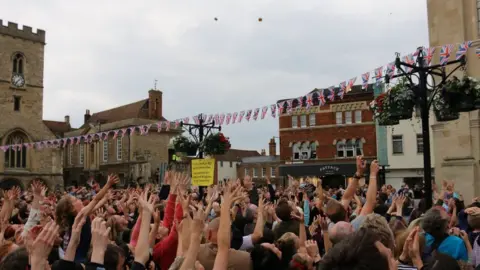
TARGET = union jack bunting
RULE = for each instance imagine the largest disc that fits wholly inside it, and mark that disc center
(429, 55)
(222, 119)
(477, 52)
(4, 148)
(227, 120)
(167, 125)
(234, 118)
(105, 135)
(177, 123)
(273, 110)
(391, 69)
(343, 86)
(132, 130)
(378, 73)
(248, 115)
(196, 120)
(215, 118)
(445, 52)
(264, 111)
(185, 120)
(255, 113)
(309, 101)
(124, 132)
(462, 49)
(64, 143)
(159, 126)
(341, 92)
(350, 84)
(289, 105)
(280, 107)
(115, 134)
(300, 102)
(240, 116)
(321, 98)
(210, 118)
(144, 129)
(365, 79)
(408, 59)
(418, 51)
(331, 94)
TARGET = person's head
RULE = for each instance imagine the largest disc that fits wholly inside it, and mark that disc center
(114, 257)
(400, 239)
(17, 259)
(361, 250)
(379, 225)
(318, 203)
(474, 221)
(66, 210)
(247, 182)
(212, 230)
(6, 248)
(266, 256)
(336, 212)
(301, 261)
(435, 222)
(288, 244)
(283, 210)
(339, 231)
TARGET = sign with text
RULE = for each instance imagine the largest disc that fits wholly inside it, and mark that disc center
(203, 172)
(329, 169)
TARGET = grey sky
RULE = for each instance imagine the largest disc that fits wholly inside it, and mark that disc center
(102, 54)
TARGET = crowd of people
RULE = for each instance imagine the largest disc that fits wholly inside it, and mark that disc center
(237, 225)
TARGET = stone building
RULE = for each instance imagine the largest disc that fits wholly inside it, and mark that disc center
(21, 110)
(134, 157)
(457, 143)
(262, 166)
(322, 141)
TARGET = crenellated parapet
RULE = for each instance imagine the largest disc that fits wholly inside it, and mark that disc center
(26, 33)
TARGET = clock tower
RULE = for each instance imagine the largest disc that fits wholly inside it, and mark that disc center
(21, 109)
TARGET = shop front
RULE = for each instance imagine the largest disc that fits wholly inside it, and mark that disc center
(333, 175)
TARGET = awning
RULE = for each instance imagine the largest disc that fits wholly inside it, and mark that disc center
(319, 170)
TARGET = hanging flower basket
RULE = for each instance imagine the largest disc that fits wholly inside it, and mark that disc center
(401, 100)
(381, 111)
(461, 94)
(443, 109)
(184, 145)
(216, 144)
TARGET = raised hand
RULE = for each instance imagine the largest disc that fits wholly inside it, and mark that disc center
(42, 245)
(38, 189)
(312, 249)
(198, 223)
(146, 202)
(361, 165)
(112, 180)
(100, 240)
(374, 168)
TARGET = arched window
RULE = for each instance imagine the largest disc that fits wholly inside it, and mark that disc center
(296, 150)
(16, 156)
(305, 150)
(359, 147)
(341, 149)
(18, 63)
(313, 150)
(350, 148)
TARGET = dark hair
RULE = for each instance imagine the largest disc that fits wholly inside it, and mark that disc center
(442, 261)
(17, 259)
(264, 258)
(288, 249)
(283, 210)
(335, 211)
(434, 224)
(357, 251)
(112, 256)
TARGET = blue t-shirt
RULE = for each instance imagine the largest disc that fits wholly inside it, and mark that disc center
(452, 246)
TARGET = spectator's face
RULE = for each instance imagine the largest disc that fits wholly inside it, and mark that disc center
(77, 204)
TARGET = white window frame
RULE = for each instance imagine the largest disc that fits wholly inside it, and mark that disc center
(419, 144)
(339, 118)
(81, 153)
(313, 150)
(348, 117)
(119, 148)
(105, 150)
(350, 147)
(358, 116)
(272, 172)
(341, 149)
(397, 139)
(255, 172)
(358, 147)
(264, 171)
(312, 120)
(296, 149)
(70, 154)
(246, 172)
(294, 121)
(303, 121)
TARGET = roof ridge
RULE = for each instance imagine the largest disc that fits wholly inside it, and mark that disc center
(114, 108)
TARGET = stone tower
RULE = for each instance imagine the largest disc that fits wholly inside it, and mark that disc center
(457, 143)
(21, 109)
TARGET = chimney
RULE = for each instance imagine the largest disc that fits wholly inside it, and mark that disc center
(272, 147)
(155, 104)
(263, 152)
(67, 119)
(86, 117)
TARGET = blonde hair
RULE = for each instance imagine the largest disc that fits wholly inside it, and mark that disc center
(379, 226)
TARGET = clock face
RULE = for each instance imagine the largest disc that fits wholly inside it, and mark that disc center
(18, 80)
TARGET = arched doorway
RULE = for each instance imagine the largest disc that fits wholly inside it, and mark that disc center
(9, 183)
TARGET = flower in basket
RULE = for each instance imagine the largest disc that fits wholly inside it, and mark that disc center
(402, 100)
(463, 94)
(216, 144)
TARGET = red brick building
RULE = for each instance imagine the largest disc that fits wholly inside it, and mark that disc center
(322, 141)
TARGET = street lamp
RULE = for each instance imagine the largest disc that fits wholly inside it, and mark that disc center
(425, 93)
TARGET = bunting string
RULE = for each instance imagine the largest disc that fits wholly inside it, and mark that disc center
(317, 97)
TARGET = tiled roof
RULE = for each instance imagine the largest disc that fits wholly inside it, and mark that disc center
(57, 127)
(236, 155)
(137, 109)
(261, 159)
(356, 89)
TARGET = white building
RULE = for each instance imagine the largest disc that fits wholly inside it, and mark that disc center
(227, 163)
(405, 153)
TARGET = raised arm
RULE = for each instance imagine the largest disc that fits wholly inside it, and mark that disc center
(372, 190)
(353, 185)
(112, 180)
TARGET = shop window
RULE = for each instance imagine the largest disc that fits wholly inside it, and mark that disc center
(359, 147)
(340, 149)
(313, 150)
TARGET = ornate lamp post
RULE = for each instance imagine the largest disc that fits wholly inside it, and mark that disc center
(425, 93)
(201, 130)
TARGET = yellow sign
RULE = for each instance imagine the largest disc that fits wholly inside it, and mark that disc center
(203, 172)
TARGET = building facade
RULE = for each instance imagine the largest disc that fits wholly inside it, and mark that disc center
(134, 157)
(228, 162)
(323, 141)
(405, 153)
(262, 166)
(21, 110)
(457, 143)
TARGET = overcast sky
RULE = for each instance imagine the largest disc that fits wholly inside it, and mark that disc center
(102, 54)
